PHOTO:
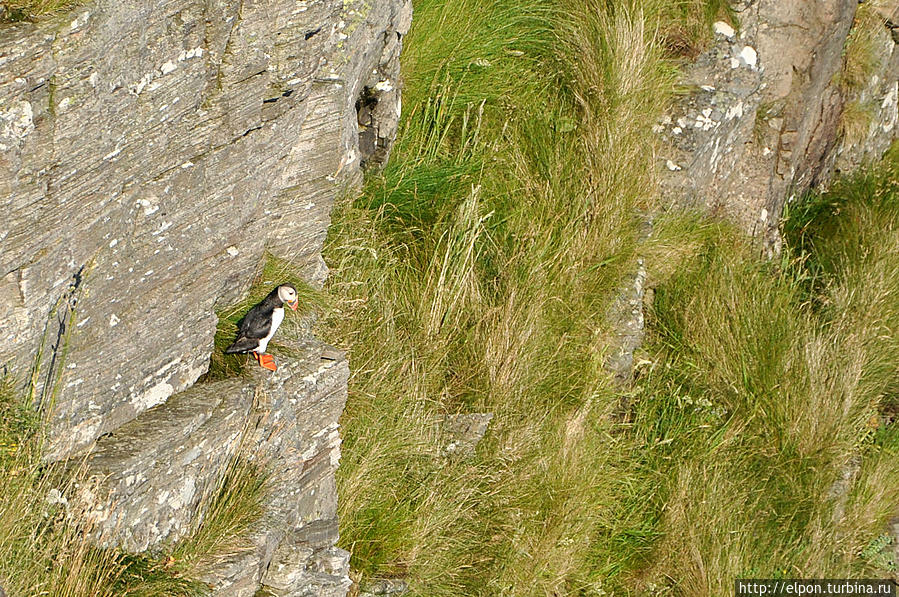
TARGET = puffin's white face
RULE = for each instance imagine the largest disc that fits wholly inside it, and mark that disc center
(288, 294)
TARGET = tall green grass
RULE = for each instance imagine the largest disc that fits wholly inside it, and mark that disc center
(768, 411)
(474, 275)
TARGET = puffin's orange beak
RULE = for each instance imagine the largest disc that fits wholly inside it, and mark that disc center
(293, 305)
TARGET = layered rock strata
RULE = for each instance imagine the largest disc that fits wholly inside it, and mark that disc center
(146, 485)
(149, 154)
(768, 104)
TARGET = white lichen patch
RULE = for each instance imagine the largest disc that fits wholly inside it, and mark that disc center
(113, 320)
(184, 494)
(704, 120)
(148, 206)
(232, 251)
(749, 56)
(188, 54)
(65, 103)
(168, 67)
(735, 111)
(138, 87)
(155, 395)
(386, 85)
(17, 122)
(722, 28)
(80, 21)
(890, 108)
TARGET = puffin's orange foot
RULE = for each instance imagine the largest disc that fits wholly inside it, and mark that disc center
(267, 361)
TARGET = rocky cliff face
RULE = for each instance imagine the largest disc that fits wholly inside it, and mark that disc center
(149, 154)
(770, 109)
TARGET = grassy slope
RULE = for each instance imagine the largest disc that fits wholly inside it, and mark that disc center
(473, 275)
(766, 385)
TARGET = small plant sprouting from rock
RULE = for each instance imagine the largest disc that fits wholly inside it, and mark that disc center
(764, 114)
(12, 11)
(855, 121)
(860, 58)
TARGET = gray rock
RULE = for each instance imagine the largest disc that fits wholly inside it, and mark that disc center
(385, 586)
(626, 317)
(148, 155)
(145, 481)
(464, 432)
(764, 122)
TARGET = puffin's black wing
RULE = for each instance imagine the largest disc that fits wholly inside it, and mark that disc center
(253, 327)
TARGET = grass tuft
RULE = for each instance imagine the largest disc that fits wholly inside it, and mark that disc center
(474, 275)
(860, 56)
(768, 385)
(29, 10)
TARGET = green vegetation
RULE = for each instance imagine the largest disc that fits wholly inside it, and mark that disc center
(860, 60)
(474, 275)
(43, 549)
(767, 385)
(29, 10)
(860, 57)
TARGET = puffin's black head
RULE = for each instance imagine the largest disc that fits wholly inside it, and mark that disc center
(288, 294)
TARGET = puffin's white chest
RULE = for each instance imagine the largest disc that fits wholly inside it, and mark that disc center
(277, 318)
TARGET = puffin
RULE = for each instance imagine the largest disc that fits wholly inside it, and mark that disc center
(260, 324)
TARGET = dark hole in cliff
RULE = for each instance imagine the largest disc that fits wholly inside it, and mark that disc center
(309, 34)
(287, 93)
(368, 136)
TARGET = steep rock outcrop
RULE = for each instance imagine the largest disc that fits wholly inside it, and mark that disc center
(146, 483)
(149, 154)
(764, 119)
